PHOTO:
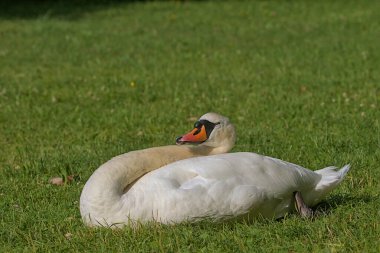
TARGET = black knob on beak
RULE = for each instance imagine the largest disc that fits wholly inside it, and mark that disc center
(178, 140)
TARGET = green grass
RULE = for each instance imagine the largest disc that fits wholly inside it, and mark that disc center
(82, 83)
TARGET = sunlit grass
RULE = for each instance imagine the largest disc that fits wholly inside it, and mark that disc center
(79, 85)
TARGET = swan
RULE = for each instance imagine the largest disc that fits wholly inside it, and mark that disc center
(176, 183)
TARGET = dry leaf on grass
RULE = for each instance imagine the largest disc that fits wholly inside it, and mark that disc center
(56, 180)
(70, 178)
(60, 181)
(68, 236)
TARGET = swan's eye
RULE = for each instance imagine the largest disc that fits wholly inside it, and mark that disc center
(197, 125)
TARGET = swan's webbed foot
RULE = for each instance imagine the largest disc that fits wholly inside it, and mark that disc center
(301, 207)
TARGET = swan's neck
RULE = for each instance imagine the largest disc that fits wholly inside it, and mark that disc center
(101, 201)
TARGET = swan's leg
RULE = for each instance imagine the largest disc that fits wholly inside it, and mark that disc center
(301, 207)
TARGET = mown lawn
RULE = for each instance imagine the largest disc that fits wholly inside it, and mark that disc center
(81, 83)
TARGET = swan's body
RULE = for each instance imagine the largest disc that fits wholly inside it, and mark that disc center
(225, 186)
(181, 186)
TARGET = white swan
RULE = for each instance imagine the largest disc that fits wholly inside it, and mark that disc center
(209, 184)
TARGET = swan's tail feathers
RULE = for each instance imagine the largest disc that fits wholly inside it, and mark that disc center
(331, 177)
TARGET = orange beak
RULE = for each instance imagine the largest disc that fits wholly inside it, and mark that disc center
(196, 136)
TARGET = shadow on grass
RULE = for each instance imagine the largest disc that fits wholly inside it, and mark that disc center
(32, 9)
(327, 207)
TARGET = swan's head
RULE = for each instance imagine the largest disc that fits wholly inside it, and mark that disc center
(211, 130)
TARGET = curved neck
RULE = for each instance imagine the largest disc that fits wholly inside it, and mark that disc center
(130, 166)
(101, 196)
